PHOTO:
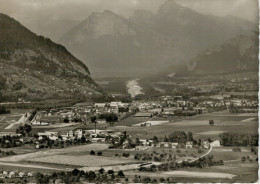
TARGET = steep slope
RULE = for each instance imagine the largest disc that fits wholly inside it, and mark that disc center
(34, 66)
(147, 43)
(235, 55)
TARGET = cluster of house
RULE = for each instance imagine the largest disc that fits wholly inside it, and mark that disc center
(228, 103)
(112, 107)
(91, 135)
(81, 111)
(15, 174)
(167, 106)
(145, 144)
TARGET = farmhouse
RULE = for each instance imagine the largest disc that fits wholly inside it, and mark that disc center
(205, 144)
(141, 148)
(146, 124)
(100, 105)
(95, 140)
(174, 145)
(189, 144)
(215, 143)
(11, 134)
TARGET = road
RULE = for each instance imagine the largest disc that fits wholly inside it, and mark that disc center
(202, 155)
(198, 157)
(20, 121)
(2, 119)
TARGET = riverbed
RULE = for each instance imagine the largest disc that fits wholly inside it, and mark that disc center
(133, 88)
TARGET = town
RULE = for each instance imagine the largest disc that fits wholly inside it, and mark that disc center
(128, 132)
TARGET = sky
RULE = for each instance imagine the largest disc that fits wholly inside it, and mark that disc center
(53, 18)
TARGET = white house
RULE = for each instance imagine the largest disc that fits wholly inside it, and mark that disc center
(189, 144)
(174, 145)
(215, 143)
(21, 174)
(205, 144)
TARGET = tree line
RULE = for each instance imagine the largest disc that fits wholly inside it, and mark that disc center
(77, 176)
(236, 139)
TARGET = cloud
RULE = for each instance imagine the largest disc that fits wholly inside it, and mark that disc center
(53, 18)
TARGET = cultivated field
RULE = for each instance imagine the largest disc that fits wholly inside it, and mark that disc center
(50, 152)
(10, 119)
(82, 160)
(199, 126)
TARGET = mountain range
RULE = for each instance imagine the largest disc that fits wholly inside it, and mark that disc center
(34, 66)
(238, 54)
(146, 43)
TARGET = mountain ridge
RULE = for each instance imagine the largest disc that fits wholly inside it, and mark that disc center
(146, 42)
(38, 65)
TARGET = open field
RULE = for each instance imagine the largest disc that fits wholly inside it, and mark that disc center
(199, 126)
(233, 170)
(132, 121)
(153, 123)
(136, 120)
(30, 166)
(245, 171)
(83, 160)
(50, 152)
(10, 119)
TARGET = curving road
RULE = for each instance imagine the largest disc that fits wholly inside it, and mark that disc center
(201, 156)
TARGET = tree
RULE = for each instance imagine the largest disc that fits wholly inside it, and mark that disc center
(66, 120)
(92, 152)
(92, 175)
(178, 136)
(137, 141)
(189, 136)
(147, 180)
(155, 139)
(2, 82)
(126, 155)
(243, 159)
(75, 172)
(211, 122)
(83, 139)
(162, 180)
(27, 128)
(121, 174)
(154, 181)
(93, 120)
(3, 110)
(110, 172)
(101, 171)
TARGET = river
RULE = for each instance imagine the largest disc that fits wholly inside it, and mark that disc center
(133, 88)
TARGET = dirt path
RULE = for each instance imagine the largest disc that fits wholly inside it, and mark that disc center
(202, 155)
